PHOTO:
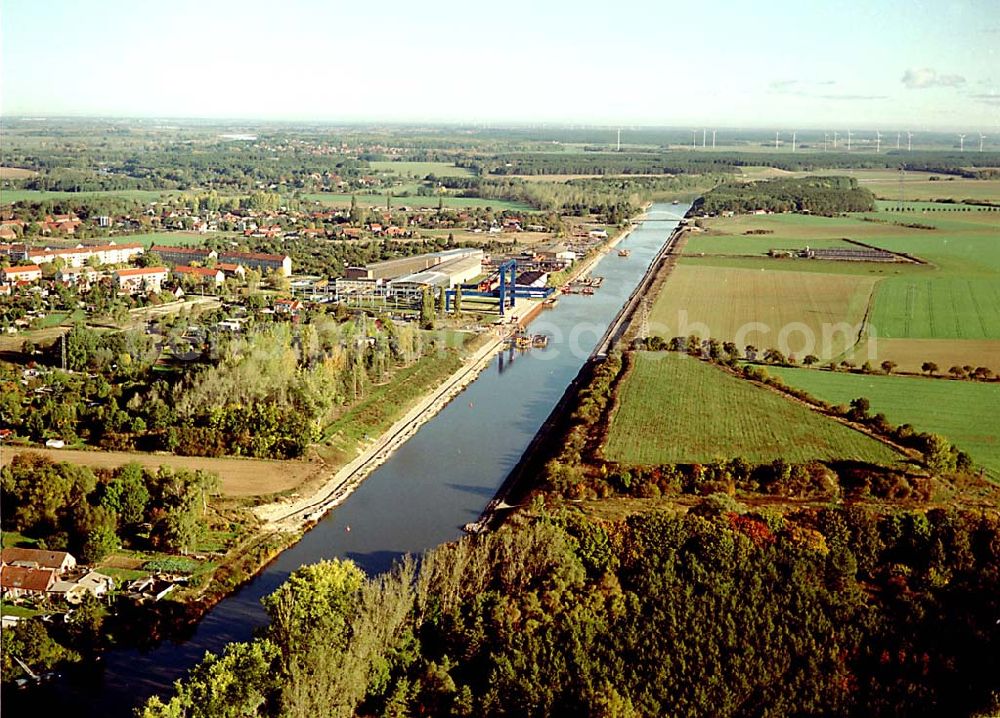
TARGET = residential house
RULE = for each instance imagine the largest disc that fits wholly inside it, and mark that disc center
(263, 263)
(12, 275)
(231, 270)
(206, 275)
(287, 306)
(140, 280)
(80, 255)
(74, 591)
(21, 581)
(82, 277)
(60, 561)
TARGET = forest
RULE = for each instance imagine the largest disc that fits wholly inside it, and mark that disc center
(678, 162)
(723, 610)
(818, 195)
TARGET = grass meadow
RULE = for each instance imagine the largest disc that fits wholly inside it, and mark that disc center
(963, 411)
(672, 408)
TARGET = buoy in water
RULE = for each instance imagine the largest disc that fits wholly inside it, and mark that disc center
(347, 529)
(470, 404)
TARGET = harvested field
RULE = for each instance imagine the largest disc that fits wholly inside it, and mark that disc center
(797, 312)
(910, 354)
(672, 408)
(15, 173)
(239, 477)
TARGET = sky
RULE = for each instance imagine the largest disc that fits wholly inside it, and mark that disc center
(893, 64)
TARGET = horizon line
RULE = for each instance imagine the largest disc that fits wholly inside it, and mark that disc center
(477, 123)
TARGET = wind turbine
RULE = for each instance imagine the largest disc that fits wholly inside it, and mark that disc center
(897, 140)
(713, 139)
(704, 135)
(878, 141)
(793, 140)
(981, 138)
(834, 139)
(619, 140)
(909, 141)
(694, 139)
(849, 133)
(961, 143)
(826, 139)
(776, 134)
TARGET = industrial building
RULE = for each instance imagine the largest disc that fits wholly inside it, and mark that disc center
(392, 268)
(407, 277)
(444, 275)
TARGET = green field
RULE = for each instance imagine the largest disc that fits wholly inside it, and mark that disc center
(937, 308)
(9, 196)
(675, 409)
(419, 169)
(967, 413)
(698, 244)
(378, 200)
(171, 239)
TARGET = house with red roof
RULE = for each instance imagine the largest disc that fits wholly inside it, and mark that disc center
(287, 306)
(231, 270)
(207, 275)
(140, 280)
(19, 581)
(281, 263)
(59, 561)
(13, 275)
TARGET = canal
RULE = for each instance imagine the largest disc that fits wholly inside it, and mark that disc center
(439, 480)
